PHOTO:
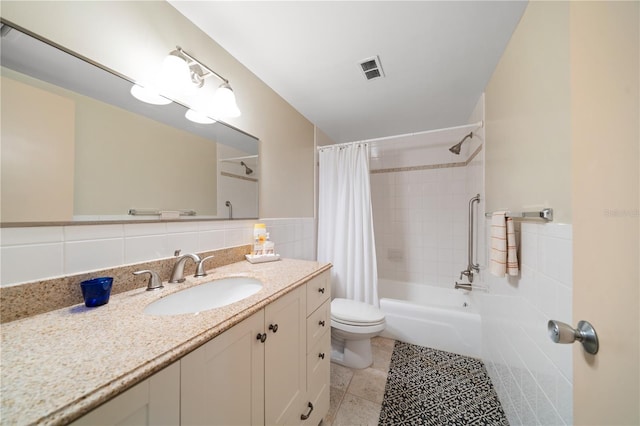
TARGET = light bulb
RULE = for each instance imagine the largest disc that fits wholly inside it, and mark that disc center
(224, 102)
(148, 95)
(198, 117)
(175, 76)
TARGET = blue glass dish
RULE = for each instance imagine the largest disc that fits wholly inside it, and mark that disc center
(96, 291)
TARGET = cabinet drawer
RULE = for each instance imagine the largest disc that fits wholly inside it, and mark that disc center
(320, 407)
(318, 290)
(318, 374)
(318, 360)
(318, 323)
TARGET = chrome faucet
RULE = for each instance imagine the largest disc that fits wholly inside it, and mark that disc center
(177, 275)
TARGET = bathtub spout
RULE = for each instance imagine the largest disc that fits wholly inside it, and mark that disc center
(463, 286)
(470, 287)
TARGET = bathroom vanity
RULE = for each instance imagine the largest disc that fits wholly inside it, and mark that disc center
(262, 360)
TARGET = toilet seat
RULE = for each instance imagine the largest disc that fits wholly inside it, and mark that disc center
(353, 313)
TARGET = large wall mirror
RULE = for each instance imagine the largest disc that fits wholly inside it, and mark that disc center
(78, 148)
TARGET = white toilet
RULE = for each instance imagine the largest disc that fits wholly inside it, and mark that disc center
(353, 324)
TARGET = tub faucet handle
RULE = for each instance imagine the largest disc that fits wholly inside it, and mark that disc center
(468, 273)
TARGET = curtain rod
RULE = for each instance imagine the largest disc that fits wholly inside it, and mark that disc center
(477, 125)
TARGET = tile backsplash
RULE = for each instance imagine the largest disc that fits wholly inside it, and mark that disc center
(38, 253)
(45, 264)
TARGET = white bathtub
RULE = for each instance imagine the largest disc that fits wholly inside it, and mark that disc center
(435, 317)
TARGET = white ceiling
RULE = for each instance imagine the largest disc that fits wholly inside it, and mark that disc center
(437, 56)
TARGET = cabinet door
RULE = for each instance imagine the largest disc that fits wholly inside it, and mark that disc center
(285, 358)
(155, 401)
(222, 382)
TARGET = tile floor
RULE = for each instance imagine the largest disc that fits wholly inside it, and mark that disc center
(356, 395)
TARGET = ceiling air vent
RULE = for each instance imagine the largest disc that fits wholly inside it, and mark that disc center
(371, 68)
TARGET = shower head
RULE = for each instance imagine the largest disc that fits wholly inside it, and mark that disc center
(456, 148)
(247, 170)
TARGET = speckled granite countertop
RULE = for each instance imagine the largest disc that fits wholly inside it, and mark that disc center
(57, 366)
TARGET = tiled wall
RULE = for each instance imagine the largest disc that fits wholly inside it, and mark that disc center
(532, 375)
(294, 237)
(420, 222)
(29, 254)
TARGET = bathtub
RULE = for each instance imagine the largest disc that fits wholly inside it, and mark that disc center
(439, 318)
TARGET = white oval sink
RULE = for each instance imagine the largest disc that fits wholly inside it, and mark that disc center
(210, 295)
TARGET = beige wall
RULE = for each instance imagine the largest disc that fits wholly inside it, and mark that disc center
(131, 37)
(605, 110)
(36, 178)
(528, 134)
(322, 138)
(125, 161)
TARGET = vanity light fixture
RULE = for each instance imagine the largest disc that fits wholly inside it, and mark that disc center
(181, 73)
(198, 117)
(149, 95)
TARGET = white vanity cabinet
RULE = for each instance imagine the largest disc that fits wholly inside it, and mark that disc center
(222, 382)
(154, 401)
(253, 373)
(271, 368)
(318, 323)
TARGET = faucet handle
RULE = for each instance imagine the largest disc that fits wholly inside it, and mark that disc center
(200, 272)
(154, 279)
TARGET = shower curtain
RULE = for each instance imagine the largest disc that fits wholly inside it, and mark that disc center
(345, 222)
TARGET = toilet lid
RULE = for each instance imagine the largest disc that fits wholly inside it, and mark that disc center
(352, 312)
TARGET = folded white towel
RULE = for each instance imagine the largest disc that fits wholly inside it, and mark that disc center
(504, 253)
(498, 252)
(512, 251)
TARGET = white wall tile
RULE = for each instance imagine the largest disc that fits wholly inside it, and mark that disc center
(87, 247)
(141, 249)
(186, 242)
(543, 291)
(93, 232)
(142, 229)
(564, 403)
(30, 262)
(235, 237)
(211, 240)
(35, 235)
(82, 256)
(186, 226)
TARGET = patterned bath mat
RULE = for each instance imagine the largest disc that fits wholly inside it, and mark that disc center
(430, 387)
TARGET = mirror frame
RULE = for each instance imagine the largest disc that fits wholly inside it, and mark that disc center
(132, 82)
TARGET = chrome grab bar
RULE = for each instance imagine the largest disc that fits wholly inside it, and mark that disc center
(472, 266)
